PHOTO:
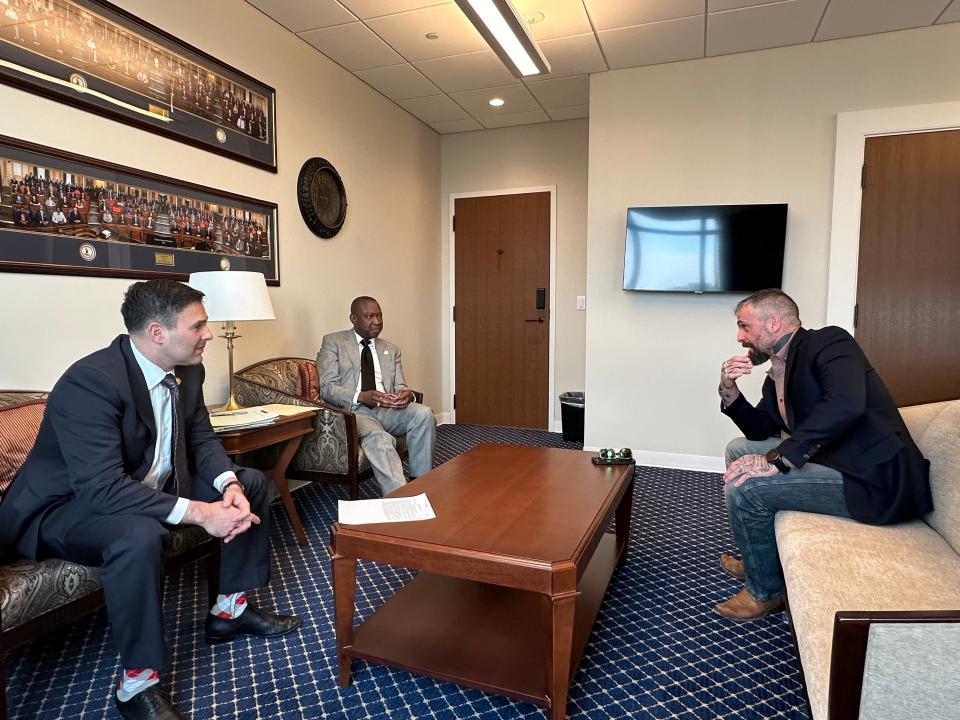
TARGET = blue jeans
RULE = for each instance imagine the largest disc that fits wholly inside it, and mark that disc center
(753, 505)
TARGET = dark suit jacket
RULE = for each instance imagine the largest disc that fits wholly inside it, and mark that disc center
(841, 415)
(96, 444)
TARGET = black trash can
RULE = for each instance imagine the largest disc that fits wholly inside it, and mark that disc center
(571, 416)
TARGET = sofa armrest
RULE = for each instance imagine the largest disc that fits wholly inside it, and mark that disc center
(330, 448)
(851, 632)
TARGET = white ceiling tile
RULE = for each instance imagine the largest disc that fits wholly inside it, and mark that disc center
(374, 8)
(570, 113)
(471, 71)
(846, 18)
(524, 118)
(299, 15)
(654, 43)
(517, 99)
(406, 32)
(398, 82)
(578, 55)
(562, 91)
(952, 13)
(609, 14)
(721, 5)
(438, 108)
(549, 19)
(763, 26)
(353, 46)
(455, 126)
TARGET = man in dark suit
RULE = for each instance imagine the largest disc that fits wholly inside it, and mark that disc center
(826, 437)
(124, 451)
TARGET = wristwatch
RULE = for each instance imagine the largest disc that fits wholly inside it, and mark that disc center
(776, 459)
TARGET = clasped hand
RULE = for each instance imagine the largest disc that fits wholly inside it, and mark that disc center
(748, 466)
(225, 518)
(374, 398)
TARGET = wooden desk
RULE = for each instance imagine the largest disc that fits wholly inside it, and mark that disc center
(287, 430)
(512, 572)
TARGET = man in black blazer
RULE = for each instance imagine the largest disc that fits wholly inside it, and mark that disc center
(124, 451)
(826, 437)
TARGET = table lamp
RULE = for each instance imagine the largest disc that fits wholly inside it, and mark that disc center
(232, 296)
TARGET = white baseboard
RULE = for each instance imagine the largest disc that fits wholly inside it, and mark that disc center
(678, 461)
(558, 426)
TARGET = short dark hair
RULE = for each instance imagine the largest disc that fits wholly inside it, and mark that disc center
(773, 301)
(357, 302)
(159, 301)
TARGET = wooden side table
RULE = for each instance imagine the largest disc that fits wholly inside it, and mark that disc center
(286, 430)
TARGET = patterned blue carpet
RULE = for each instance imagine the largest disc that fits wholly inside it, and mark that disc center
(657, 650)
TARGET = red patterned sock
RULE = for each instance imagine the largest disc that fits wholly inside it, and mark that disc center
(230, 606)
(135, 681)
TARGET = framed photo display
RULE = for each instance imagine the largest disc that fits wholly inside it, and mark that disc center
(68, 214)
(100, 58)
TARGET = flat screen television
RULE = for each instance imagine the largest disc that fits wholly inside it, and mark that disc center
(705, 248)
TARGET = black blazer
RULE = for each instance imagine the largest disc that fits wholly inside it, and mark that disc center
(96, 443)
(841, 415)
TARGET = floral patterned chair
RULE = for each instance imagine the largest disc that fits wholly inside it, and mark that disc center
(332, 452)
(38, 597)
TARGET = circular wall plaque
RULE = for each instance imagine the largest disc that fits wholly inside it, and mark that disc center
(322, 198)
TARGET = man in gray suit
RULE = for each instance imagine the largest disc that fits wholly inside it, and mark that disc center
(362, 374)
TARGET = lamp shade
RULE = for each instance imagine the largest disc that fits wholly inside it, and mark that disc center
(233, 295)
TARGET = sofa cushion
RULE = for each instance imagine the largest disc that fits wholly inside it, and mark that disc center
(29, 588)
(309, 381)
(935, 428)
(833, 564)
(18, 430)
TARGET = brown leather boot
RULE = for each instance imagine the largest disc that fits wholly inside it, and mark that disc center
(744, 606)
(732, 567)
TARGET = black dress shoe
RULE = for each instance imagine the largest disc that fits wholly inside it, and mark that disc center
(251, 622)
(150, 704)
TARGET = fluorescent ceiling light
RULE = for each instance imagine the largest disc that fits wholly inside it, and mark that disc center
(506, 34)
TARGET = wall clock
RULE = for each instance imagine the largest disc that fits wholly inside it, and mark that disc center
(321, 197)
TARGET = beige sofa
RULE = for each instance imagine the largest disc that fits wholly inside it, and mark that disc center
(876, 610)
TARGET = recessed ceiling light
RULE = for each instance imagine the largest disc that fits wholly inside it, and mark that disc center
(432, 36)
(496, 102)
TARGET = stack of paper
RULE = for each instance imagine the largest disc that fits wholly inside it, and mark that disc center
(241, 419)
(362, 512)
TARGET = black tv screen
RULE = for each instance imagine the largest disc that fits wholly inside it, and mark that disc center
(705, 248)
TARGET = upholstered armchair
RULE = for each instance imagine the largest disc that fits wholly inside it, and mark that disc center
(332, 452)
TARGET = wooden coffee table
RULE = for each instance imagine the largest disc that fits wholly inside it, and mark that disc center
(512, 572)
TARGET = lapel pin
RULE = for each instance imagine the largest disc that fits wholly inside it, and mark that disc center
(177, 379)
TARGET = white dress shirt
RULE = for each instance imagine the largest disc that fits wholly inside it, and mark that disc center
(377, 375)
(162, 464)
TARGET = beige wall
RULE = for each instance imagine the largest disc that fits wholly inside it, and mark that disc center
(750, 128)
(389, 247)
(553, 154)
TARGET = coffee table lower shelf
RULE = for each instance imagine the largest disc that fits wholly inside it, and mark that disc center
(482, 636)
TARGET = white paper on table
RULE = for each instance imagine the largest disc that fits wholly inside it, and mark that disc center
(385, 510)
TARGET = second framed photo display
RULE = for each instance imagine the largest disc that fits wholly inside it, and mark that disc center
(73, 215)
(96, 56)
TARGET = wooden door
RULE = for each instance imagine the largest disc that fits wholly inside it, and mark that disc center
(908, 281)
(502, 269)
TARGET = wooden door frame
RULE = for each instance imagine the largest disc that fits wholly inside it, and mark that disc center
(853, 129)
(552, 345)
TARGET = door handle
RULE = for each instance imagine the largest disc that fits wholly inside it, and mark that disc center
(537, 320)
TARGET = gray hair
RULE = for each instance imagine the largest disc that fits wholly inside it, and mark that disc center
(773, 301)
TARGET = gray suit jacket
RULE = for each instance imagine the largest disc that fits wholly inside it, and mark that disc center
(338, 366)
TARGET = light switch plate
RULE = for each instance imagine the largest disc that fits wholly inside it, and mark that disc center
(581, 302)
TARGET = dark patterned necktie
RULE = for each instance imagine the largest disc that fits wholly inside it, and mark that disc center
(367, 381)
(179, 480)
